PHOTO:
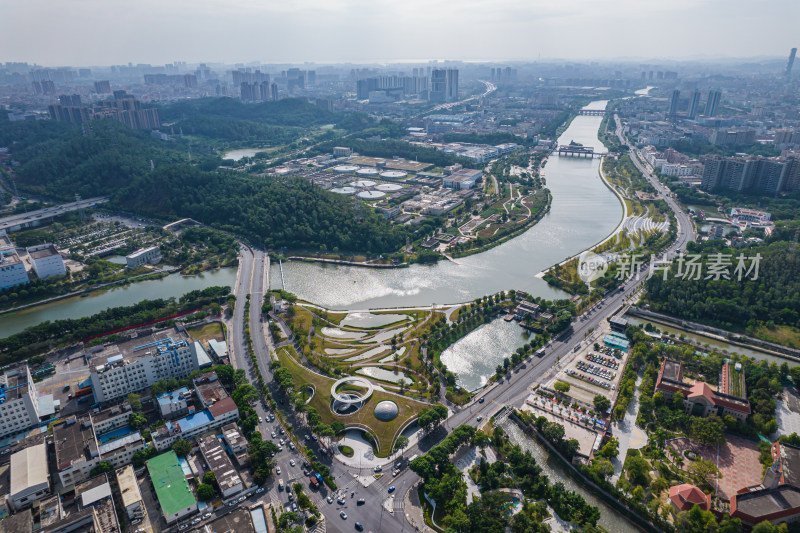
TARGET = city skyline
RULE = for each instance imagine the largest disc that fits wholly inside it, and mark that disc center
(362, 32)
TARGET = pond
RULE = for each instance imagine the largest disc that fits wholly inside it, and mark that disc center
(370, 320)
(384, 375)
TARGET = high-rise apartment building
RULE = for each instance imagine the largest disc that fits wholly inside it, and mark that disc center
(753, 174)
(673, 102)
(714, 98)
(693, 104)
(102, 87)
(444, 85)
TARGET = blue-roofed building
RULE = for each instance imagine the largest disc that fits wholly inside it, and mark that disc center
(221, 413)
(174, 403)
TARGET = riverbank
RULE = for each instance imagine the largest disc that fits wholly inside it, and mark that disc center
(307, 259)
(727, 337)
(534, 219)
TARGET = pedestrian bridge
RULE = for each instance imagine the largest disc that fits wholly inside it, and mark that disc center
(592, 112)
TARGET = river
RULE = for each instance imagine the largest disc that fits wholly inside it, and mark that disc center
(609, 518)
(583, 212)
(173, 285)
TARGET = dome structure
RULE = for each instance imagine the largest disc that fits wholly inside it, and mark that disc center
(386, 410)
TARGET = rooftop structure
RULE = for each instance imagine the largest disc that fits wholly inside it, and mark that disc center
(462, 179)
(209, 389)
(12, 270)
(112, 418)
(686, 496)
(129, 493)
(217, 415)
(173, 404)
(699, 398)
(29, 477)
(172, 489)
(217, 460)
(239, 521)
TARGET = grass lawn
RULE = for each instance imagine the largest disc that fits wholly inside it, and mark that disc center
(207, 332)
(386, 432)
(785, 335)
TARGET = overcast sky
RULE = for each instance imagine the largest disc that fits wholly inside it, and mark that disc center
(103, 32)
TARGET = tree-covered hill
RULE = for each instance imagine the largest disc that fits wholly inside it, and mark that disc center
(111, 159)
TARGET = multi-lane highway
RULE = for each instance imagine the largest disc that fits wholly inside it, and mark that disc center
(35, 218)
(383, 511)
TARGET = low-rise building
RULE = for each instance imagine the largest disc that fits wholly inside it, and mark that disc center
(217, 415)
(172, 489)
(46, 261)
(526, 308)
(342, 151)
(700, 399)
(174, 404)
(129, 493)
(19, 408)
(777, 498)
(685, 496)
(743, 214)
(225, 473)
(112, 418)
(463, 179)
(209, 389)
(30, 480)
(144, 256)
(236, 443)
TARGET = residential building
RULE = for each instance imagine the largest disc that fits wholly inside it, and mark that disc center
(175, 403)
(19, 408)
(129, 493)
(209, 389)
(733, 137)
(110, 419)
(46, 261)
(217, 415)
(236, 443)
(462, 179)
(135, 365)
(749, 215)
(102, 87)
(151, 255)
(30, 480)
(693, 104)
(12, 270)
(714, 98)
(217, 460)
(79, 450)
(700, 399)
(673, 103)
(753, 174)
(444, 85)
(172, 488)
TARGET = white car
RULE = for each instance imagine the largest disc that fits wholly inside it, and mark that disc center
(277, 470)
(291, 462)
(207, 515)
(259, 490)
(260, 419)
(182, 527)
(196, 520)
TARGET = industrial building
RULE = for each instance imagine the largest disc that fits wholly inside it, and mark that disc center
(217, 415)
(172, 488)
(30, 480)
(129, 493)
(12, 270)
(151, 255)
(136, 364)
(462, 179)
(46, 261)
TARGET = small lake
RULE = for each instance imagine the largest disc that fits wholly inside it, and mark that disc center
(369, 320)
(236, 155)
(474, 358)
(384, 375)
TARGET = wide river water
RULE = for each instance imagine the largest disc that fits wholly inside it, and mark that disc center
(583, 212)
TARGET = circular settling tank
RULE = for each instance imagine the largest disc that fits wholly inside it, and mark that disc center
(344, 190)
(345, 169)
(389, 187)
(393, 175)
(362, 183)
(371, 195)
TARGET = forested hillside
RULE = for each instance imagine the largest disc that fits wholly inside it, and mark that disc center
(732, 304)
(114, 160)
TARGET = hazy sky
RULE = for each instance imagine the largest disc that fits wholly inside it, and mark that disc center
(102, 32)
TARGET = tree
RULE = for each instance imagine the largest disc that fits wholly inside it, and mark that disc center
(696, 521)
(313, 417)
(677, 401)
(601, 404)
(562, 387)
(401, 443)
(709, 430)
(205, 492)
(101, 468)
(135, 402)
(705, 470)
(137, 420)
(611, 449)
(210, 478)
(481, 440)
(159, 387)
(182, 447)
(637, 469)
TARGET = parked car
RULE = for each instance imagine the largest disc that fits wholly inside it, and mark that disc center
(359, 527)
(278, 470)
(361, 501)
(391, 489)
(343, 515)
(294, 507)
(291, 462)
(378, 469)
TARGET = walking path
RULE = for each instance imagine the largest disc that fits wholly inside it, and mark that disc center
(630, 436)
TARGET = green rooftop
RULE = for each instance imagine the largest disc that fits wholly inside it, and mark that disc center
(172, 489)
